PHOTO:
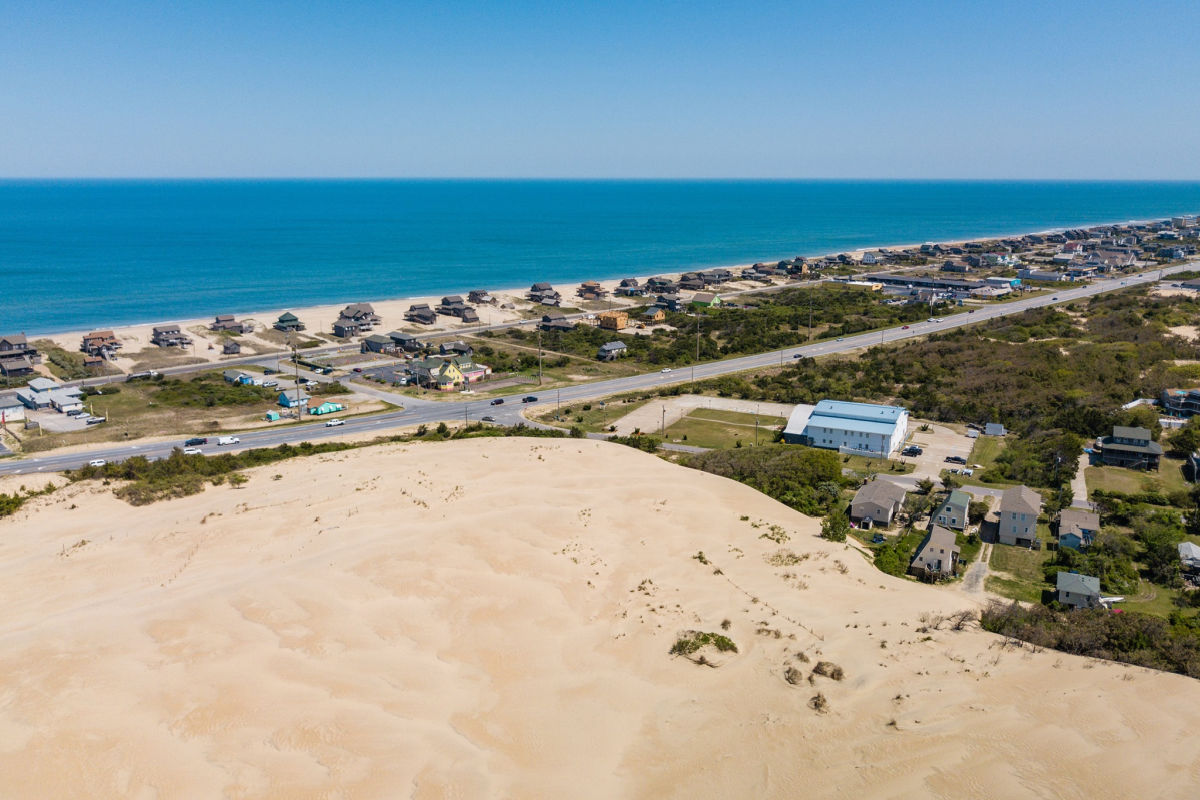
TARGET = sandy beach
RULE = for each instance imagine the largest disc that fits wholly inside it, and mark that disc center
(493, 618)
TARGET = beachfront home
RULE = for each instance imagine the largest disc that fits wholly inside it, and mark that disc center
(469, 315)
(288, 322)
(231, 348)
(653, 314)
(420, 313)
(591, 290)
(876, 504)
(629, 288)
(952, 513)
(169, 336)
(42, 393)
(865, 428)
(362, 314)
(610, 351)
(1077, 528)
(227, 322)
(1129, 447)
(100, 343)
(1019, 510)
(293, 398)
(690, 282)
(17, 355)
(613, 320)
(937, 556)
(669, 302)
(451, 306)
(478, 296)
(1077, 591)
(456, 348)
(660, 285)
(543, 293)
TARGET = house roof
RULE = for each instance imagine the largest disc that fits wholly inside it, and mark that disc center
(1076, 521)
(703, 297)
(610, 346)
(881, 492)
(1074, 582)
(863, 411)
(42, 385)
(377, 338)
(959, 498)
(1124, 432)
(942, 538)
(288, 316)
(1189, 552)
(1021, 500)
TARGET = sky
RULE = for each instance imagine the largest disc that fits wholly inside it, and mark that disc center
(960, 89)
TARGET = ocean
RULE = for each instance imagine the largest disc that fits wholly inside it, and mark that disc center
(85, 254)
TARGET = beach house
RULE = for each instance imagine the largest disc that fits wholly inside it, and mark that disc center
(294, 398)
(1129, 447)
(1077, 528)
(1077, 591)
(100, 343)
(952, 513)
(288, 322)
(420, 313)
(876, 504)
(17, 355)
(169, 336)
(227, 322)
(361, 314)
(610, 351)
(438, 373)
(1020, 507)
(937, 556)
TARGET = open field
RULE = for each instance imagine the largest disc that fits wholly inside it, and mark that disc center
(715, 428)
(1169, 478)
(495, 618)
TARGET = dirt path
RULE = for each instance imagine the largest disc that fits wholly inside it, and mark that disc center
(650, 417)
(977, 573)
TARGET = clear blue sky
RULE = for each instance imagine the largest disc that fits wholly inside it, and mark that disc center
(968, 88)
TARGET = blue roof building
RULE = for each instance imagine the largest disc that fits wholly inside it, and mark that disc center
(863, 428)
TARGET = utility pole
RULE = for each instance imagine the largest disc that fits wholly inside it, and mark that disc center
(664, 422)
(557, 403)
(539, 356)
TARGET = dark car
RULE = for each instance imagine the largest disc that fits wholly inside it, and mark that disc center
(529, 399)
(499, 401)
(268, 371)
(955, 460)
(487, 418)
(358, 369)
(195, 441)
(878, 538)
(903, 327)
(911, 450)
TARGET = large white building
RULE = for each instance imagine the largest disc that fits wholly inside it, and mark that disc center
(849, 427)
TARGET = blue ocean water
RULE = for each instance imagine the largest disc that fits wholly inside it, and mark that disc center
(82, 254)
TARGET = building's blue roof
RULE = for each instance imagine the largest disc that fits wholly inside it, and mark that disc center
(856, 425)
(867, 412)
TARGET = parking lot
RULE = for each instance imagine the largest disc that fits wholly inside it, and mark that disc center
(938, 442)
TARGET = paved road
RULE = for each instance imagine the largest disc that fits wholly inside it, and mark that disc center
(509, 411)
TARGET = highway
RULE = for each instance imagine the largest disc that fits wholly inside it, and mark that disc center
(509, 412)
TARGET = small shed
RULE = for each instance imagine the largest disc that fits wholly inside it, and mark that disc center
(994, 429)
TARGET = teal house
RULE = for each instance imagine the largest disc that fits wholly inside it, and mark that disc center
(317, 408)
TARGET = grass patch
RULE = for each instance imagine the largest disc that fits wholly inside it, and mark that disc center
(1025, 579)
(1169, 478)
(718, 435)
(691, 642)
(985, 450)
(596, 416)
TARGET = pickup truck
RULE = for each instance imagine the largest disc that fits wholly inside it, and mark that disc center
(228, 440)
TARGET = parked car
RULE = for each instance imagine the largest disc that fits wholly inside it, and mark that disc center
(529, 399)
(878, 538)
(358, 369)
(268, 371)
(97, 462)
(333, 423)
(487, 418)
(95, 420)
(195, 441)
(223, 440)
(499, 401)
(840, 339)
(74, 412)
(955, 460)
(903, 327)
(911, 450)
(193, 451)
(932, 319)
(798, 355)
(270, 384)
(665, 370)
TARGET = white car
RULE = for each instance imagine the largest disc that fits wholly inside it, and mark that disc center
(270, 384)
(97, 462)
(665, 370)
(333, 423)
(193, 451)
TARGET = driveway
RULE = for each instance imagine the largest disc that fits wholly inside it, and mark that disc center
(937, 442)
(1079, 486)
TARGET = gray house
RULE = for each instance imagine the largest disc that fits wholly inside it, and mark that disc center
(876, 504)
(937, 555)
(953, 511)
(610, 351)
(1077, 591)
(1129, 447)
(1019, 510)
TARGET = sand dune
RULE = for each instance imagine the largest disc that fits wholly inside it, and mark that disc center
(492, 618)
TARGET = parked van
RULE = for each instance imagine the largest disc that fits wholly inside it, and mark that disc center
(228, 440)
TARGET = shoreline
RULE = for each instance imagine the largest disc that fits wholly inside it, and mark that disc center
(323, 308)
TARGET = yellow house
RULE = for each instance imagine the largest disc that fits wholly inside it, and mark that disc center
(437, 373)
(614, 320)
